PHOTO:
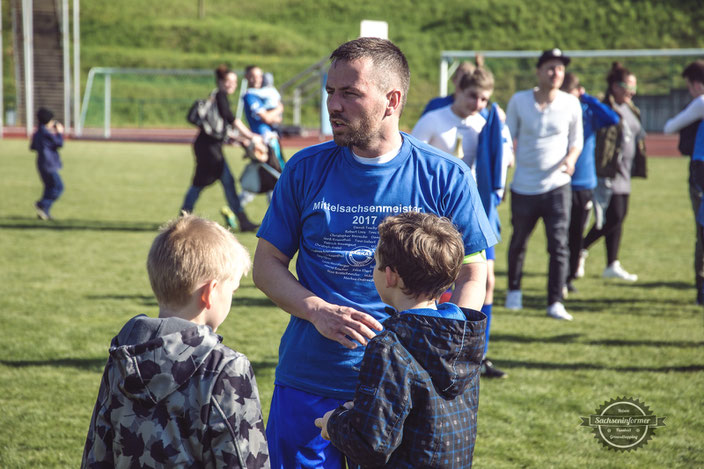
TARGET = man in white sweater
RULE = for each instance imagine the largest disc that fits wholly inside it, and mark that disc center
(547, 126)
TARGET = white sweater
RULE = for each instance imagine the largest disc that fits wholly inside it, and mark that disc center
(544, 137)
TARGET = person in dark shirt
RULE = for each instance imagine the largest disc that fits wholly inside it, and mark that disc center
(210, 161)
(46, 141)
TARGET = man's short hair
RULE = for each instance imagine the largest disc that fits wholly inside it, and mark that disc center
(480, 78)
(188, 251)
(425, 250)
(570, 82)
(388, 61)
(694, 71)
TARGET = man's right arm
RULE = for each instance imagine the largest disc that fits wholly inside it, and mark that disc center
(339, 323)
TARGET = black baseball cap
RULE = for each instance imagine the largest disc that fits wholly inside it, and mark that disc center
(553, 54)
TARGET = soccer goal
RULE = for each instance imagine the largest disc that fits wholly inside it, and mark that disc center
(136, 97)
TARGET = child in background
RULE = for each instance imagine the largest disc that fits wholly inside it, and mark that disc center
(46, 141)
(270, 96)
(474, 132)
(172, 395)
(416, 399)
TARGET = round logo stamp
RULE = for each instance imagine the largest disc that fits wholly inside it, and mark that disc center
(359, 257)
(623, 424)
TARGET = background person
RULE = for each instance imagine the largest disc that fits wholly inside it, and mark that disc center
(442, 101)
(690, 124)
(172, 395)
(46, 141)
(326, 208)
(464, 123)
(547, 124)
(428, 353)
(619, 155)
(262, 120)
(595, 115)
(210, 161)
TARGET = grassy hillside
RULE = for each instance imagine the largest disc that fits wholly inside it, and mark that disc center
(285, 36)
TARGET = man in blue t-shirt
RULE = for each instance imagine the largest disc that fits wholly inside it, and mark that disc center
(326, 207)
(261, 118)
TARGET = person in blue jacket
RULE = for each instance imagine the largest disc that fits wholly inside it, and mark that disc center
(595, 115)
(46, 141)
(690, 125)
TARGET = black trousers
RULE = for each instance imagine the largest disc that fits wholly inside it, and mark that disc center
(579, 215)
(612, 229)
(554, 208)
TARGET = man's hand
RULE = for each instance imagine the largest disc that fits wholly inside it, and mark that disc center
(568, 166)
(344, 324)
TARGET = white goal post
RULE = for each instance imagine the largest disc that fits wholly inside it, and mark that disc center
(450, 59)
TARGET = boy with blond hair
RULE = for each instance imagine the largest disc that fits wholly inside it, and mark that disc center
(416, 399)
(172, 395)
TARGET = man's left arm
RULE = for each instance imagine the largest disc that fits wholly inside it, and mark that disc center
(470, 286)
(575, 139)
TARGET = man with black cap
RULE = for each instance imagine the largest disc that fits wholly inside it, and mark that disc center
(46, 141)
(547, 125)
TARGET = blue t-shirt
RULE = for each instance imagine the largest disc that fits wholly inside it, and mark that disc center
(253, 104)
(326, 206)
(595, 115)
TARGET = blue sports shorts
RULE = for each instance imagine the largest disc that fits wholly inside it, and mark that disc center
(294, 440)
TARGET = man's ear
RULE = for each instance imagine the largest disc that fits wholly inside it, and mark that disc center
(393, 102)
(207, 292)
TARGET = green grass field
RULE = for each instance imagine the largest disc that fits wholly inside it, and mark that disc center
(67, 286)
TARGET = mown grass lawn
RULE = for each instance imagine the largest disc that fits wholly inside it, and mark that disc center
(67, 286)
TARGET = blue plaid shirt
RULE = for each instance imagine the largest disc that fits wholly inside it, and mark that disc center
(418, 391)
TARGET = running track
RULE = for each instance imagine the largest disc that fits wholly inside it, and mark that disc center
(657, 144)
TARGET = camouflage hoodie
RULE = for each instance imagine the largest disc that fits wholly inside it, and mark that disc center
(173, 396)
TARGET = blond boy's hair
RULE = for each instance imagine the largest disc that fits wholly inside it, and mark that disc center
(425, 250)
(188, 251)
(480, 78)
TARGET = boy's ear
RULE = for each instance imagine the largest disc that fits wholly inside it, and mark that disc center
(206, 294)
(392, 277)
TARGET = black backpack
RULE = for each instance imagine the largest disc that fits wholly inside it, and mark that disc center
(204, 113)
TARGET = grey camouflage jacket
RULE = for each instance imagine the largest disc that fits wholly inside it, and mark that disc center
(179, 400)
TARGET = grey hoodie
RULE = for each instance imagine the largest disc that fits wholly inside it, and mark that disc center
(172, 395)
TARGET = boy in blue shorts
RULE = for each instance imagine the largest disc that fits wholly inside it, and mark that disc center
(418, 390)
(46, 141)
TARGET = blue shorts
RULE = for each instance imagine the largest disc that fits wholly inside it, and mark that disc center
(490, 254)
(294, 440)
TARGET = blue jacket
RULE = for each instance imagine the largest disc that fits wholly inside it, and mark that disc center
(418, 392)
(46, 144)
(437, 103)
(595, 115)
(489, 165)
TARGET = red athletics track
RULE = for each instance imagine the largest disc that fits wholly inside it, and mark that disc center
(657, 144)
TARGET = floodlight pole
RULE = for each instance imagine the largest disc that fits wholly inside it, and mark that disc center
(2, 82)
(78, 128)
(67, 66)
(28, 33)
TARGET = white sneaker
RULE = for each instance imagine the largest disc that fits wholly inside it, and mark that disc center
(616, 271)
(514, 299)
(583, 254)
(245, 197)
(557, 311)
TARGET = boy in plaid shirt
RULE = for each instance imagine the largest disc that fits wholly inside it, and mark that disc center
(416, 400)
